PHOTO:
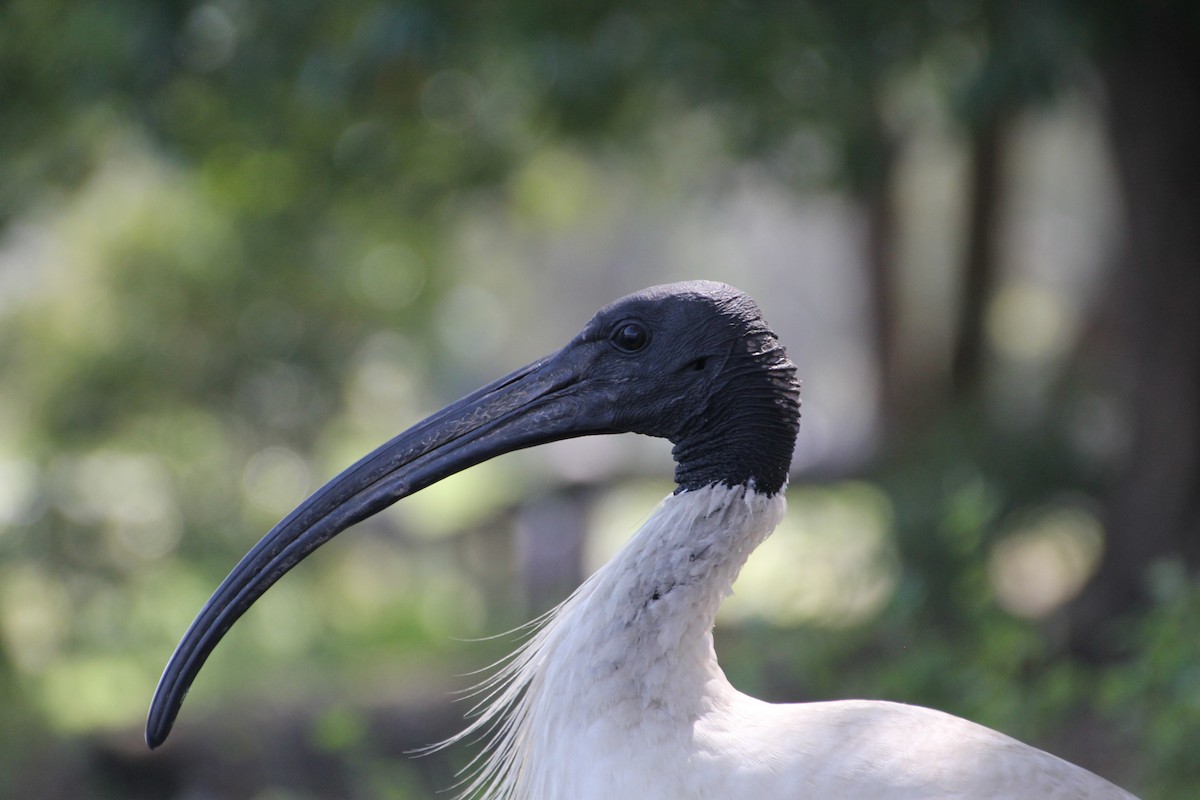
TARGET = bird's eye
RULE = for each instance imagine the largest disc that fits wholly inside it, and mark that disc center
(630, 337)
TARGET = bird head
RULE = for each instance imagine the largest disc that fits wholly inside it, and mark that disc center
(692, 362)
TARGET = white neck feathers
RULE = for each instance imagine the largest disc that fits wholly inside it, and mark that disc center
(631, 649)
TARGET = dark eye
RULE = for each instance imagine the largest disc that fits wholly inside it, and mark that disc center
(630, 337)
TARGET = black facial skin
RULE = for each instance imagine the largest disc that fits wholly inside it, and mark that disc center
(709, 375)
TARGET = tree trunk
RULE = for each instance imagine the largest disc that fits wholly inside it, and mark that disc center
(876, 191)
(1154, 119)
(979, 260)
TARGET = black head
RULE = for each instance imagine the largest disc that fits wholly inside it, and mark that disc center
(695, 363)
(691, 362)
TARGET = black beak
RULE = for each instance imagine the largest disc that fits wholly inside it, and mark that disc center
(534, 405)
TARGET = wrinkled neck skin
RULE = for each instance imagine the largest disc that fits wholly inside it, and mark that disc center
(625, 666)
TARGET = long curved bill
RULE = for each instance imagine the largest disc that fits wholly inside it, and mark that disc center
(534, 405)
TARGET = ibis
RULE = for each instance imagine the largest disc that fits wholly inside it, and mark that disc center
(618, 693)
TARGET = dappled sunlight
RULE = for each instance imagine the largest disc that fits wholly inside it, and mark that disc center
(368, 580)
(1030, 324)
(1045, 559)
(35, 615)
(830, 563)
(197, 448)
(556, 189)
(135, 200)
(83, 692)
(89, 651)
(391, 276)
(287, 620)
(130, 497)
(158, 603)
(208, 39)
(461, 501)
(382, 394)
(18, 492)
(617, 515)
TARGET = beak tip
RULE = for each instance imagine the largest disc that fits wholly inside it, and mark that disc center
(155, 738)
(157, 728)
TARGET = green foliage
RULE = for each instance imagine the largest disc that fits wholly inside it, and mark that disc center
(1156, 694)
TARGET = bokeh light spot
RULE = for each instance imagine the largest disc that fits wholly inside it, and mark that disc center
(391, 276)
(451, 100)
(34, 616)
(1027, 323)
(209, 38)
(1045, 561)
(275, 480)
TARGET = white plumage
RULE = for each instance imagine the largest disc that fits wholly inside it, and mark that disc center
(619, 694)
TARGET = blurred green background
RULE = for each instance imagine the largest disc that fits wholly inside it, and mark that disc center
(243, 243)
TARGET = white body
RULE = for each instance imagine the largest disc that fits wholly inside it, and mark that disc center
(619, 695)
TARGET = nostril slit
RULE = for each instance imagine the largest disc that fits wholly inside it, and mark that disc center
(698, 364)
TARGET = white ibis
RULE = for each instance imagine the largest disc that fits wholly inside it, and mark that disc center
(619, 693)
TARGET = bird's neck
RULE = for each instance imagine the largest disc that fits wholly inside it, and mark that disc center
(653, 606)
(629, 656)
